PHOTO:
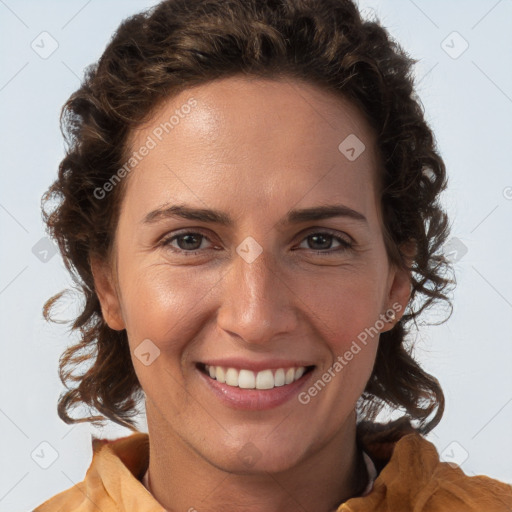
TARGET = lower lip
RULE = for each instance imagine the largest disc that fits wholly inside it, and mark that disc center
(254, 399)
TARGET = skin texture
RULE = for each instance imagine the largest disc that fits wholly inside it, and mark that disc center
(255, 149)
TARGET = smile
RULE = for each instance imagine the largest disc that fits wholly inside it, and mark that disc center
(248, 379)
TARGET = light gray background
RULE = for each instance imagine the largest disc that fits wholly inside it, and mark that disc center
(468, 99)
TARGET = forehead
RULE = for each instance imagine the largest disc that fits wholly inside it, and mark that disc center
(284, 108)
(257, 140)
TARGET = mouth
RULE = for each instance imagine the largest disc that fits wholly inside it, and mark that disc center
(265, 379)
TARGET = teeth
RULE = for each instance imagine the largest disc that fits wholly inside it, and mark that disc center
(265, 380)
(232, 377)
(247, 379)
(219, 374)
(279, 378)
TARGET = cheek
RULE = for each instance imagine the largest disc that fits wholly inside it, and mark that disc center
(344, 304)
(170, 305)
(163, 303)
(345, 312)
(348, 322)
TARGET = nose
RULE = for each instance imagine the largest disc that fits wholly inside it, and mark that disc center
(258, 303)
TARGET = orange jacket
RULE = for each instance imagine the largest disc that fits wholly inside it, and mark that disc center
(411, 478)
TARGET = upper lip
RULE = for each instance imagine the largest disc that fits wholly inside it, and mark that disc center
(256, 366)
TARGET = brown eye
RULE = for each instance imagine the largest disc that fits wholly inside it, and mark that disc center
(322, 242)
(191, 241)
(188, 243)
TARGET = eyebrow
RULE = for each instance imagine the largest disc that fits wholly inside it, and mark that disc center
(218, 217)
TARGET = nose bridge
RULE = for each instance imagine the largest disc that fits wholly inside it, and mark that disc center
(256, 304)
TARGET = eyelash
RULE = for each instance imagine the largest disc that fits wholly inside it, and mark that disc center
(344, 244)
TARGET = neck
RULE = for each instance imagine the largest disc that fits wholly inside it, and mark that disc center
(181, 479)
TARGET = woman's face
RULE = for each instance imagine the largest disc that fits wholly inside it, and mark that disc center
(224, 259)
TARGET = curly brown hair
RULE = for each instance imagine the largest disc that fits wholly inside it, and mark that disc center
(158, 53)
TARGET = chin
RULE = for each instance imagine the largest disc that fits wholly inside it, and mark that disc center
(257, 456)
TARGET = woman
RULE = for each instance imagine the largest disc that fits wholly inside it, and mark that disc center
(249, 203)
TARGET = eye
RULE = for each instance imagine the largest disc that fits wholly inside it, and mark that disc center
(188, 243)
(322, 243)
(191, 243)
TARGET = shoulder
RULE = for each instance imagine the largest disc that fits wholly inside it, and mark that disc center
(114, 474)
(70, 499)
(412, 477)
(435, 482)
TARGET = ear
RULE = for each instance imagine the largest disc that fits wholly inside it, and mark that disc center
(107, 294)
(399, 285)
